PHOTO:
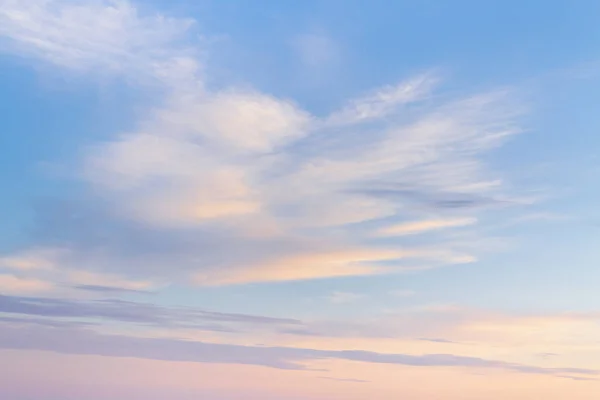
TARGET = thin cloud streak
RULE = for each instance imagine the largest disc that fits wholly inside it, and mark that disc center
(133, 312)
(413, 228)
(81, 341)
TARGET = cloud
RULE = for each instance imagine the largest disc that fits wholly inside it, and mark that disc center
(49, 322)
(230, 186)
(86, 278)
(411, 228)
(563, 332)
(33, 259)
(445, 326)
(14, 284)
(82, 341)
(136, 313)
(109, 289)
(101, 35)
(199, 160)
(577, 378)
(384, 101)
(242, 121)
(348, 262)
(124, 253)
(49, 269)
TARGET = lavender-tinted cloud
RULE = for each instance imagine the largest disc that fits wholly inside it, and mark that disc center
(109, 289)
(132, 312)
(50, 322)
(82, 341)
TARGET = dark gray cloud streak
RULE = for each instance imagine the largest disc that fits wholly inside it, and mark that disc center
(84, 341)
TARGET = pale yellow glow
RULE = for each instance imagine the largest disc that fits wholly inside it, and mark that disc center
(306, 266)
(411, 228)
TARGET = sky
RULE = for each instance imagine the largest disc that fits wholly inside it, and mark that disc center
(313, 200)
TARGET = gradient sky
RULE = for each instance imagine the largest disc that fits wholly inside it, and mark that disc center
(300, 200)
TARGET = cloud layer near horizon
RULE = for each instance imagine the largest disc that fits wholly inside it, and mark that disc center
(83, 341)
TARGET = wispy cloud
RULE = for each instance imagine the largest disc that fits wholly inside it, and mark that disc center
(84, 278)
(82, 341)
(411, 228)
(279, 187)
(106, 36)
(385, 101)
(143, 314)
(52, 269)
(109, 289)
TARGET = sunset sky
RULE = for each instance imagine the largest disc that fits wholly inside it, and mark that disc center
(299, 200)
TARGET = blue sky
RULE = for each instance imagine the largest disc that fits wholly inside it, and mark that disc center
(399, 170)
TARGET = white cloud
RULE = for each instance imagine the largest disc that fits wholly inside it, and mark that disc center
(239, 121)
(190, 166)
(384, 101)
(280, 188)
(101, 35)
